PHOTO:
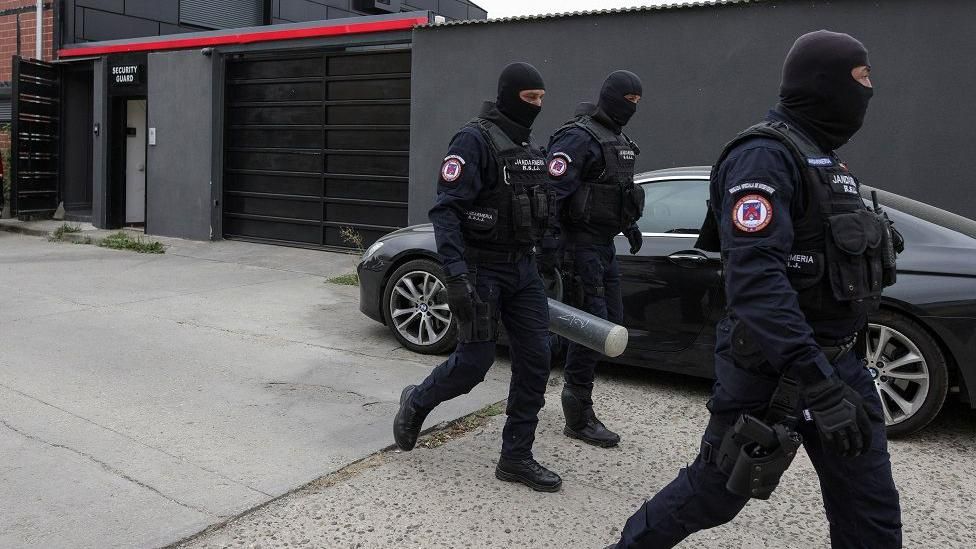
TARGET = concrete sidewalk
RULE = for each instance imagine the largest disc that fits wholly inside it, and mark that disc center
(145, 397)
(448, 497)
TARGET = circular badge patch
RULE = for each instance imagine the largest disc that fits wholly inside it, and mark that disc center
(752, 213)
(558, 166)
(451, 170)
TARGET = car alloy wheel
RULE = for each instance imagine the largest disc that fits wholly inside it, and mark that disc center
(900, 372)
(418, 310)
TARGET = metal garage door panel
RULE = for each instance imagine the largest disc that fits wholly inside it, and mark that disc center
(276, 91)
(387, 191)
(282, 137)
(373, 63)
(273, 183)
(278, 115)
(276, 206)
(308, 155)
(370, 139)
(398, 114)
(387, 88)
(304, 161)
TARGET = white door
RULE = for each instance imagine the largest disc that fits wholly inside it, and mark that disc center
(135, 161)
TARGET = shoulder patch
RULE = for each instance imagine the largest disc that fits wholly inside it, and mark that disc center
(452, 168)
(559, 164)
(752, 213)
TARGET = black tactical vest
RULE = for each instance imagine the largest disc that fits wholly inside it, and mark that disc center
(606, 202)
(514, 212)
(836, 261)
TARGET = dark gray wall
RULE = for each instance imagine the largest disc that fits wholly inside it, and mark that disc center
(93, 20)
(178, 190)
(708, 72)
(100, 143)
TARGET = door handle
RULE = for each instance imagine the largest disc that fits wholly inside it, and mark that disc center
(689, 259)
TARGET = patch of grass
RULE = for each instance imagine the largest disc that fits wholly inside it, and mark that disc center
(352, 237)
(351, 279)
(122, 241)
(460, 427)
(58, 234)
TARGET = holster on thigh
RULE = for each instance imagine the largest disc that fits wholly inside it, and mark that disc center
(483, 326)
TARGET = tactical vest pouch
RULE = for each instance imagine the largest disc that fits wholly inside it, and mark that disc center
(540, 204)
(522, 218)
(577, 212)
(633, 204)
(854, 264)
(481, 222)
(605, 204)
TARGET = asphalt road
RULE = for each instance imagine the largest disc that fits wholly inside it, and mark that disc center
(145, 397)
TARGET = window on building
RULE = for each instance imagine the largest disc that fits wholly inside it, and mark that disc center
(222, 14)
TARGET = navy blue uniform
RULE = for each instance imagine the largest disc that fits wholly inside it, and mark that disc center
(513, 288)
(594, 263)
(859, 494)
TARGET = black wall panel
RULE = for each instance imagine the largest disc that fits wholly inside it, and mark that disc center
(316, 143)
(709, 72)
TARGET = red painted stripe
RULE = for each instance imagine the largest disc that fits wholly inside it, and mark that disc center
(247, 38)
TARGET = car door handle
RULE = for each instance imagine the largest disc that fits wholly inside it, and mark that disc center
(688, 259)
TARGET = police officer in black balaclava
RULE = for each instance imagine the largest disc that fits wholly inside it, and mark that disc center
(591, 169)
(802, 260)
(491, 209)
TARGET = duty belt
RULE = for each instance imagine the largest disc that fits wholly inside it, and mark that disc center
(481, 255)
(834, 349)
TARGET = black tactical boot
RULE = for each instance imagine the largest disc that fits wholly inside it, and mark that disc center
(582, 424)
(408, 421)
(528, 472)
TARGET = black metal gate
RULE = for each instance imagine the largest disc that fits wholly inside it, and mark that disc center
(35, 138)
(317, 147)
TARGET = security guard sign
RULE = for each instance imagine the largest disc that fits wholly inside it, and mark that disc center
(752, 213)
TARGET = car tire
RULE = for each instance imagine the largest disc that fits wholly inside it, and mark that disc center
(415, 306)
(909, 371)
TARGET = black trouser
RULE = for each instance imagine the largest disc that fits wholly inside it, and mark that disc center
(859, 495)
(516, 293)
(597, 270)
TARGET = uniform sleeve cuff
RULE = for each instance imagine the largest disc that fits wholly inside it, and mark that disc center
(456, 268)
(820, 370)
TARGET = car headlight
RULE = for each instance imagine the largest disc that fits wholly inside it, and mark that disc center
(371, 251)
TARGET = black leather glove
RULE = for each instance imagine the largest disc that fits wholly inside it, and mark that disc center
(633, 234)
(842, 417)
(461, 297)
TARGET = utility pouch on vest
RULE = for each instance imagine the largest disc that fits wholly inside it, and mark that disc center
(522, 217)
(483, 326)
(540, 204)
(482, 222)
(577, 212)
(854, 264)
(755, 455)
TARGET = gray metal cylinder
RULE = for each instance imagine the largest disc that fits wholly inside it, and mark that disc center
(590, 331)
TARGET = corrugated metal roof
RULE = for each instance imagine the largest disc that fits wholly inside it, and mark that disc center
(548, 16)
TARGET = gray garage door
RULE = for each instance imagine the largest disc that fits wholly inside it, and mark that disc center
(317, 147)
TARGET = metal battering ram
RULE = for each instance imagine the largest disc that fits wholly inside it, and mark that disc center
(587, 330)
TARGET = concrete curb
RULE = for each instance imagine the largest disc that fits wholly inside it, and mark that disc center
(20, 229)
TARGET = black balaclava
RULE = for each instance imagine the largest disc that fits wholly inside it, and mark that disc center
(612, 104)
(818, 90)
(516, 78)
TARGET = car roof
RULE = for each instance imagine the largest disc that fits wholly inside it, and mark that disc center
(695, 172)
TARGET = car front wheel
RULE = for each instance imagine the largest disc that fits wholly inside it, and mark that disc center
(909, 371)
(415, 305)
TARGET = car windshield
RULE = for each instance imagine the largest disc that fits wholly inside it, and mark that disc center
(674, 206)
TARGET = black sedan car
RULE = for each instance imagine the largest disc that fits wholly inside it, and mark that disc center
(921, 345)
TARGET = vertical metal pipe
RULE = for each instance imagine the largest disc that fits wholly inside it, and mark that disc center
(40, 26)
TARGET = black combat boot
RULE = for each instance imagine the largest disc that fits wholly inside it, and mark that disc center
(528, 472)
(408, 421)
(582, 424)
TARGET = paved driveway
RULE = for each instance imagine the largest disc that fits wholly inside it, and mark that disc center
(143, 398)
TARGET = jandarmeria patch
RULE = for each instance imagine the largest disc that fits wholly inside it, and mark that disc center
(558, 165)
(752, 213)
(452, 168)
